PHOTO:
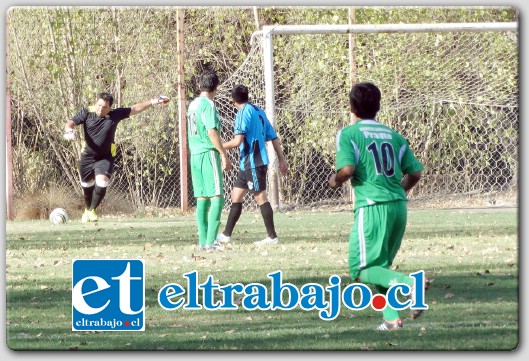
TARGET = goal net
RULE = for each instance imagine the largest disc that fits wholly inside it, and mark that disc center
(452, 94)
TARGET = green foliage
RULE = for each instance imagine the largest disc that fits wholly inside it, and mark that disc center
(61, 57)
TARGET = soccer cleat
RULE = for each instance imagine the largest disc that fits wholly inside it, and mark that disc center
(417, 313)
(391, 326)
(267, 240)
(222, 238)
(216, 246)
(201, 248)
(85, 218)
(92, 216)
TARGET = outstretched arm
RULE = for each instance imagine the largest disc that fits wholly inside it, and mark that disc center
(140, 107)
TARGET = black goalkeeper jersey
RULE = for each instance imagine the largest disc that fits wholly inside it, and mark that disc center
(99, 132)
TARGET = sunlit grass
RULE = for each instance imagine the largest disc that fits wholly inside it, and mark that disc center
(471, 255)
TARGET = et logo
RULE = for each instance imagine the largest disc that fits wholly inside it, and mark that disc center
(108, 295)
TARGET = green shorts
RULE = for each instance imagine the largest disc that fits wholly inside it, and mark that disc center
(206, 174)
(376, 235)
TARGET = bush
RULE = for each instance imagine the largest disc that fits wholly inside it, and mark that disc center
(38, 205)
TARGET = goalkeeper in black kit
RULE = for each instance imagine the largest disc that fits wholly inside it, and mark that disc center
(96, 163)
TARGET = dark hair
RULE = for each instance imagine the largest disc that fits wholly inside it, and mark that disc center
(106, 97)
(239, 93)
(364, 99)
(209, 81)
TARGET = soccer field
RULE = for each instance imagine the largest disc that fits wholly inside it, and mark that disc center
(472, 256)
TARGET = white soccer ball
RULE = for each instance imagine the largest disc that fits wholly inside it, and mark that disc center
(58, 216)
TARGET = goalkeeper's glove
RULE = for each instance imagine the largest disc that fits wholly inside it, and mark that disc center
(69, 135)
(162, 99)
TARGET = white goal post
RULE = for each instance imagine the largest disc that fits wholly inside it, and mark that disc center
(268, 33)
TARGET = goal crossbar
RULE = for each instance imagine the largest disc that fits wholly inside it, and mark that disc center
(386, 28)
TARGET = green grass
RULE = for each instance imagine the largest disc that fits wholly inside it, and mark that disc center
(471, 255)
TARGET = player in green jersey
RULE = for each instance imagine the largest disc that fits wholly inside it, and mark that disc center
(208, 159)
(382, 169)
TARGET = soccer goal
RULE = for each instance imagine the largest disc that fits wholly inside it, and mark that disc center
(451, 89)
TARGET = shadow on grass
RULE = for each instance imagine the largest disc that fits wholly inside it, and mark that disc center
(481, 314)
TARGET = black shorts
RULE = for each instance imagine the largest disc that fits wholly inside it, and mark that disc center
(252, 179)
(91, 165)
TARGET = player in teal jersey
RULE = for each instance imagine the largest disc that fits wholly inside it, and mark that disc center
(208, 159)
(382, 169)
(251, 133)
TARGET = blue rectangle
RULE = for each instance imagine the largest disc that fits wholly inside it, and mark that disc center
(108, 295)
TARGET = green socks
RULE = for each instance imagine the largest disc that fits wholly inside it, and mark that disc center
(202, 220)
(208, 215)
(383, 278)
(215, 212)
(388, 313)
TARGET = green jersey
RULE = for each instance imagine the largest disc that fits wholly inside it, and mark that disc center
(201, 116)
(380, 155)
